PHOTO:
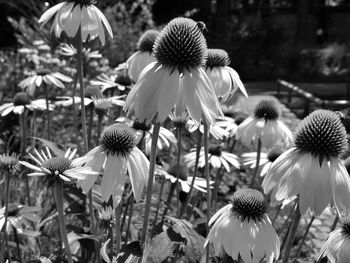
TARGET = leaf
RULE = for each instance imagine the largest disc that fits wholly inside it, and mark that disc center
(52, 146)
(159, 249)
(194, 245)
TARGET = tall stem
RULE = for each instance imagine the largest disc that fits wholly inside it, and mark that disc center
(75, 122)
(80, 73)
(258, 153)
(7, 200)
(129, 219)
(150, 181)
(91, 118)
(291, 233)
(47, 112)
(118, 214)
(17, 244)
(207, 177)
(178, 156)
(23, 150)
(216, 188)
(304, 237)
(58, 193)
(198, 150)
(158, 205)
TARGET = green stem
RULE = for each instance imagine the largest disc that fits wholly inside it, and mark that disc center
(129, 219)
(258, 152)
(291, 233)
(304, 237)
(207, 177)
(335, 222)
(99, 125)
(178, 156)
(198, 150)
(168, 202)
(7, 200)
(216, 187)
(17, 244)
(91, 118)
(23, 151)
(150, 182)
(158, 205)
(47, 112)
(118, 214)
(75, 122)
(58, 193)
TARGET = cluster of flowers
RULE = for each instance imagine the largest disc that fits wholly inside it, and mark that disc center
(175, 80)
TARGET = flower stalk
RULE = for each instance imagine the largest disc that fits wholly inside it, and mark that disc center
(58, 193)
(150, 181)
(47, 111)
(258, 152)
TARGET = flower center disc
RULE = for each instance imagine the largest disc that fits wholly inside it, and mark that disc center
(215, 150)
(118, 139)
(249, 204)
(57, 165)
(217, 58)
(147, 40)
(21, 98)
(43, 72)
(345, 226)
(181, 45)
(123, 80)
(93, 91)
(273, 155)
(141, 126)
(322, 134)
(268, 110)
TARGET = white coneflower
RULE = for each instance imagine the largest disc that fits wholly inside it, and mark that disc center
(70, 51)
(220, 129)
(336, 248)
(217, 158)
(22, 101)
(266, 159)
(243, 230)
(177, 78)
(106, 82)
(266, 126)
(313, 166)
(63, 168)
(44, 75)
(225, 80)
(116, 155)
(71, 15)
(143, 56)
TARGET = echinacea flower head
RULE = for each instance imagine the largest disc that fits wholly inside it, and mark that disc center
(217, 158)
(71, 15)
(19, 218)
(219, 129)
(336, 248)
(225, 79)
(177, 78)
(43, 75)
(143, 56)
(243, 230)
(116, 156)
(313, 166)
(22, 101)
(63, 168)
(266, 159)
(69, 51)
(106, 218)
(9, 162)
(265, 126)
(106, 82)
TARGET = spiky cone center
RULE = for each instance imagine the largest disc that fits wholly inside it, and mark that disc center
(57, 165)
(21, 99)
(181, 45)
(272, 155)
(123, 80)
(217, 58)
(43, 71)
(13, 210)
(102, 106)
(106, 219)
(141, 126)
(118, 139)
(268, 110)
(146, 41)
(249, 204)
(322, 134)
(215, 150)
(9, 162)
(83, 2)
(345, 226)
(183, 171)
(93, 91)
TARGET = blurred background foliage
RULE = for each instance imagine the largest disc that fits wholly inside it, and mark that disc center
(304, 40)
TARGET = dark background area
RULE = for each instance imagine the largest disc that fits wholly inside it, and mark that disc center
(295, 39)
